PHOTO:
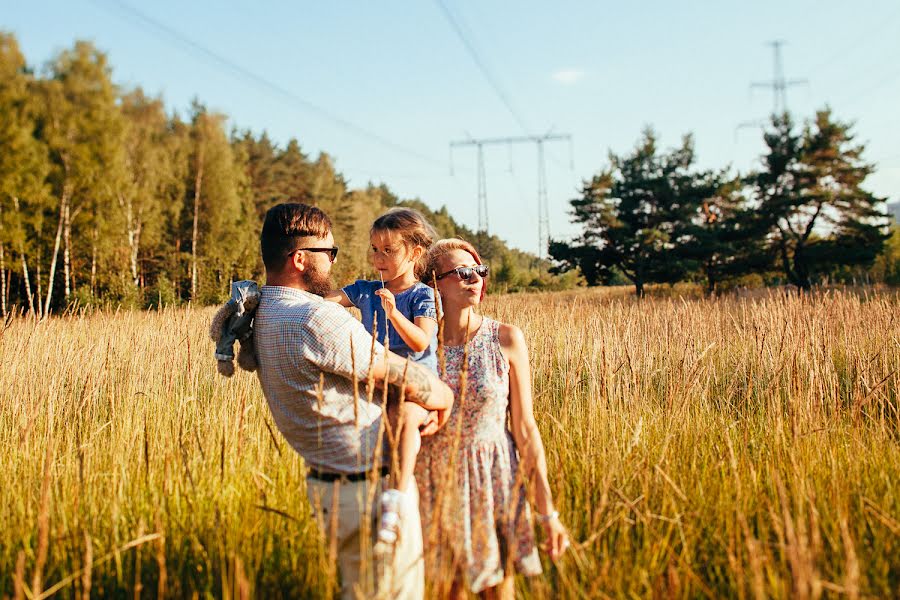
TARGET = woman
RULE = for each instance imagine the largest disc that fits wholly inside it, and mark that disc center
(476, 521)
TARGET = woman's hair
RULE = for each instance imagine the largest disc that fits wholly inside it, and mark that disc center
(412, 228)
(442, 248)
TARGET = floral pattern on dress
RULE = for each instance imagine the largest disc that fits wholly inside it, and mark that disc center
(475, 512)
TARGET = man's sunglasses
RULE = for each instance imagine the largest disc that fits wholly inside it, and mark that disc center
(331, 251)
(465, 273)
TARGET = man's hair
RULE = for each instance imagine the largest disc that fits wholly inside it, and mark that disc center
(283, 228)
(412, 228)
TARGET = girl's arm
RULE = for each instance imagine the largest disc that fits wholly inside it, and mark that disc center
(340, 297)
(528, 438)
(418, 333)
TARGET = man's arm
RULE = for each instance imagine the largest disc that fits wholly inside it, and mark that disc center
(422, 386)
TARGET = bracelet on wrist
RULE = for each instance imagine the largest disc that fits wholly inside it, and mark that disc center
(554, 514)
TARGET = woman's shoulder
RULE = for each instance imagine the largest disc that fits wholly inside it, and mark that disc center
(510, 336)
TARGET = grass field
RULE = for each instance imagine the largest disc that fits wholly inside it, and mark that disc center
(739, 448)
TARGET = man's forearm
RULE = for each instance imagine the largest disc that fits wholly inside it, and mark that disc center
(422, 386)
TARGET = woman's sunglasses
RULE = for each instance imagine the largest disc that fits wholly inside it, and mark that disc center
(331, 251)
(465, 273)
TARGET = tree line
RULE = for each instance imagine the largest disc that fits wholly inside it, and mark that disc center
(107, 198)
(652, 216)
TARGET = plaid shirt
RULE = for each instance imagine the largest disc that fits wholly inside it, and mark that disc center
(299, 338)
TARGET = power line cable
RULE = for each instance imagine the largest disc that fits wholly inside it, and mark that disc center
(148, 23)
(458, 26)
(867, 94)
(867, 35)
(482, 65)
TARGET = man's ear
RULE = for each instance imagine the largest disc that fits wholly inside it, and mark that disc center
(298, 261)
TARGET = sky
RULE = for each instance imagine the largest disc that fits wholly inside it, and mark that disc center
(384, 87)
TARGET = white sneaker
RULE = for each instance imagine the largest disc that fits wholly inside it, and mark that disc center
(389, 528)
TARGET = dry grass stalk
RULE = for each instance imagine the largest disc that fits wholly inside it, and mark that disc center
(19, 577)
(138, 584)
(43, 523)
(163, 578)
(807, 389)
(88, 561)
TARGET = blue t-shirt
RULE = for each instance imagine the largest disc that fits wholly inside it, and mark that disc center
(415, 301)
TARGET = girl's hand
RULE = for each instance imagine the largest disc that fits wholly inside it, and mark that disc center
(557, 538)
(388, 303)
(431, 424)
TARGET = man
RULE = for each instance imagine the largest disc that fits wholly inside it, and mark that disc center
(308, 371)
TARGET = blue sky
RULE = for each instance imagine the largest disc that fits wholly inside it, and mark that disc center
(598, 70)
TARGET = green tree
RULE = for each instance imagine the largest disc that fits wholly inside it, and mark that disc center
(149, 177)
(274, 175)
(887, 266)
(81, 125)
(636, 215)
(23, 169)
(726, 237)
(810, 193)
(222, 217)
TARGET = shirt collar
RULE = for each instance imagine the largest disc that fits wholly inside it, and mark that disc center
(280, 292)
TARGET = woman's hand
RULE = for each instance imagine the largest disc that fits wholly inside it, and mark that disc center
(557, 537)
(388, 302)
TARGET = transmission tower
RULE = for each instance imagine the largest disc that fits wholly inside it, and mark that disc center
(778, 84)
(543, 204)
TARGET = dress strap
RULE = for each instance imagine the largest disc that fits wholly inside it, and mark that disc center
(492, 345)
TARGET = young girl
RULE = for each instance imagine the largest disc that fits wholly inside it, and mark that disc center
(403, 306)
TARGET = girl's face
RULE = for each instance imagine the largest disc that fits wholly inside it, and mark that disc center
(390, 255)
(455, 291)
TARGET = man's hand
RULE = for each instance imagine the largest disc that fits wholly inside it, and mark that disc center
(388, 302)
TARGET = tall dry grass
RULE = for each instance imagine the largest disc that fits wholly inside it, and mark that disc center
(742, 448)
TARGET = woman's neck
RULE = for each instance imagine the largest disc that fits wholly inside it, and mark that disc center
(401, 282)
(460, 324)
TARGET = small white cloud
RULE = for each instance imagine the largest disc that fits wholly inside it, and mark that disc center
(568, 76)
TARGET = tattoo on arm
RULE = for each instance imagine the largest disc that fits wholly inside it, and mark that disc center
(416, 376)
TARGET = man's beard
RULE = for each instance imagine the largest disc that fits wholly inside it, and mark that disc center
(317, 282)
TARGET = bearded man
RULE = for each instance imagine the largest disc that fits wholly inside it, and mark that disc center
(310, 355)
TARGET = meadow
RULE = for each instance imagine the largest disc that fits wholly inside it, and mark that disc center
(739, 447)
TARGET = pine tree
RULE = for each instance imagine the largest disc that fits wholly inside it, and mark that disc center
(810, 194)
(635, 216)
(726, 236)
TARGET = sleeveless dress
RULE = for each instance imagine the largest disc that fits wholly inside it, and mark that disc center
(475, 513)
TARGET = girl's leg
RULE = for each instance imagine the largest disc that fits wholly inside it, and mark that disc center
(412, 416)
(409, 418)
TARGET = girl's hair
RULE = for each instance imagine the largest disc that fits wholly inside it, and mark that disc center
(412, 228)
(442, 248)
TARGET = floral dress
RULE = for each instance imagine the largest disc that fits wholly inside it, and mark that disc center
(475, 513)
